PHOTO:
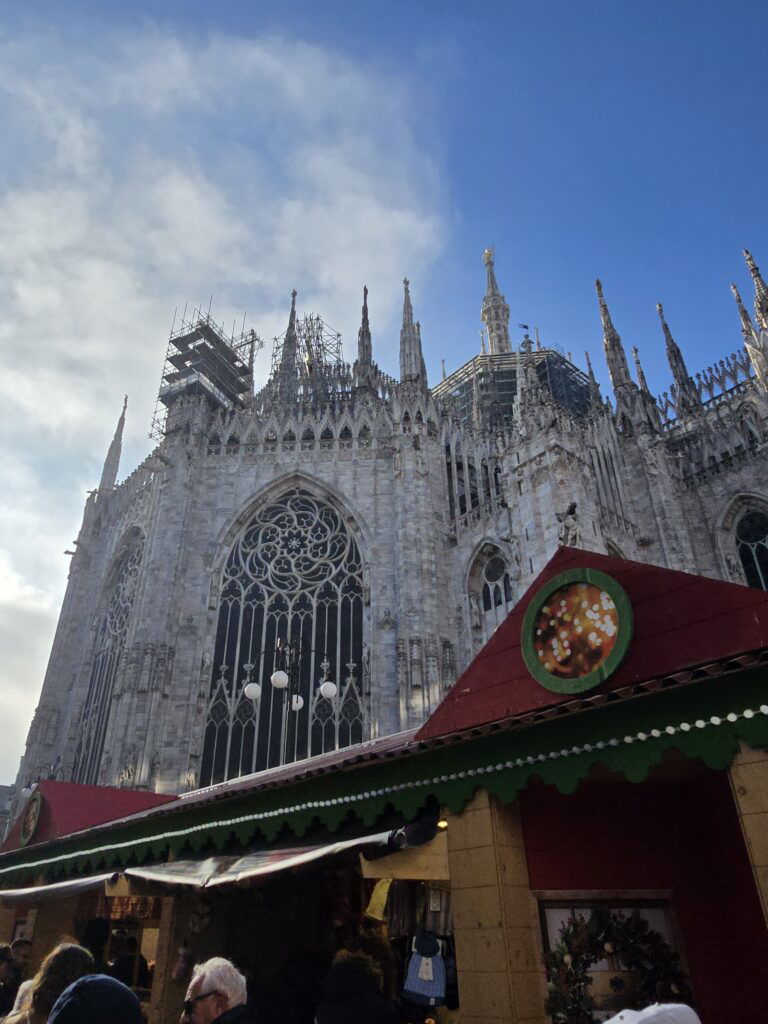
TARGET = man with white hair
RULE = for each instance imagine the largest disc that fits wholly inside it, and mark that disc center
(216, 995)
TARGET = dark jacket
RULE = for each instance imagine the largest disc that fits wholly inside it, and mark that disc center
(237, 1015)
(351, 995)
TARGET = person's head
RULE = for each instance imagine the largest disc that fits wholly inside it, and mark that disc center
(63, 965)
(21, 951)
(96, 999)
(7, 966)
(216, 986)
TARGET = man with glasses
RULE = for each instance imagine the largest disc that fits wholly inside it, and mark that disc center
(216, 995)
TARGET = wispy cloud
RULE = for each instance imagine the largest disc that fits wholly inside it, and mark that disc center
(159, 171)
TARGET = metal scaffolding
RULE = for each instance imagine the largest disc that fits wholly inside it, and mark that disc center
(202, 360)
(490, 382)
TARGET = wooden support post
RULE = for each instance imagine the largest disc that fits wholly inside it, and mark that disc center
(749, 782)
(495, 914)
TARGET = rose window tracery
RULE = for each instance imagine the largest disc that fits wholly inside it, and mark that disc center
(293, 577)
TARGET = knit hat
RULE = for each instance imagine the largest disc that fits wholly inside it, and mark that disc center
(659, 1013)
(95, 999)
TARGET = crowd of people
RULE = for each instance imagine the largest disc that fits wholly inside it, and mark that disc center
(69, 988)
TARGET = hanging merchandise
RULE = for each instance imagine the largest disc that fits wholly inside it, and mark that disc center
(378, 901)
(425, 978)
(437, 911)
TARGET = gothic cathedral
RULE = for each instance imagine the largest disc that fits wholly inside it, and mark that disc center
(308, 566)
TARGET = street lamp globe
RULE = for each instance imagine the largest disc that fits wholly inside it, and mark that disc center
(328, 689)
(297, 702)
(252, 691)
(26, 793)
(279, 679)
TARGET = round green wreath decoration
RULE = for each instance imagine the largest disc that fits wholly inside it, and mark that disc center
(583, 683)
(583, 942)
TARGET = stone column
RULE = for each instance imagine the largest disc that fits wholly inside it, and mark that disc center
(496, 923)
(749, 782)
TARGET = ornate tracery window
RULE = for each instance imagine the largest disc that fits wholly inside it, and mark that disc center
(294, 575)
(491, 595)
(111, 633)
(752, 546)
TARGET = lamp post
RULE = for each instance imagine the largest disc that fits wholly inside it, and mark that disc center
(54, 770)
(287, 677)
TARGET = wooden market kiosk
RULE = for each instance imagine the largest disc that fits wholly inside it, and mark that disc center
(602, 771)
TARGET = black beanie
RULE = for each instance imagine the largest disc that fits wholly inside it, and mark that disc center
(94, 999)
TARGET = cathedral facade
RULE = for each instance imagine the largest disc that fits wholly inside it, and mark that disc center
(309, 565)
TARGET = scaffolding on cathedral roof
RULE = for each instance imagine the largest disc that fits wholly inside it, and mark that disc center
(202, 359)
(307, 364)
(493, 377)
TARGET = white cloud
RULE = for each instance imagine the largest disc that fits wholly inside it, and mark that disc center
(158, 171)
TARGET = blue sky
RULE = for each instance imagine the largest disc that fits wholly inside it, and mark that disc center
(156, 153)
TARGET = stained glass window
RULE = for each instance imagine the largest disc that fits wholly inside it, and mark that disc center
(293, 576)
(111, 634)
(752, 545)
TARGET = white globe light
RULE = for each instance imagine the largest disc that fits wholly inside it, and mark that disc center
(297, 703)
(328, 689)
(253, 691)
(26, 793)
(279, 679)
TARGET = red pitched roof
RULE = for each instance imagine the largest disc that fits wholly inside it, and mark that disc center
(69, 807)
(680, 621)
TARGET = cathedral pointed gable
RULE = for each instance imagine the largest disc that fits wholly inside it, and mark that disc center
(679, 621)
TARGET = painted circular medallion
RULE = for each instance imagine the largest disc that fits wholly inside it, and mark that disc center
(576, 630)
(31, 818)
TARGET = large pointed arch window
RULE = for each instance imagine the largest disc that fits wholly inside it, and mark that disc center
(111, 634)
(752, 546)
(491, 594)
(293, 577)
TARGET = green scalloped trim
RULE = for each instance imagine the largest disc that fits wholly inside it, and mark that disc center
(625, 618)
(451, 773)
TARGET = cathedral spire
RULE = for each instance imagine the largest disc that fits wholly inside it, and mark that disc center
(641, 381)
(761, 291)
(494, 311)
(364, 348)
(411, 359)
(112, 461)
(686, 389)
(674, 355)
(747, 328)
(614, 351)
(594, 388)
(290, 346)
(752, 340)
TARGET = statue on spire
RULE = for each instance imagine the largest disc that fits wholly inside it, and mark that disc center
(112, 461)
(494, 311)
